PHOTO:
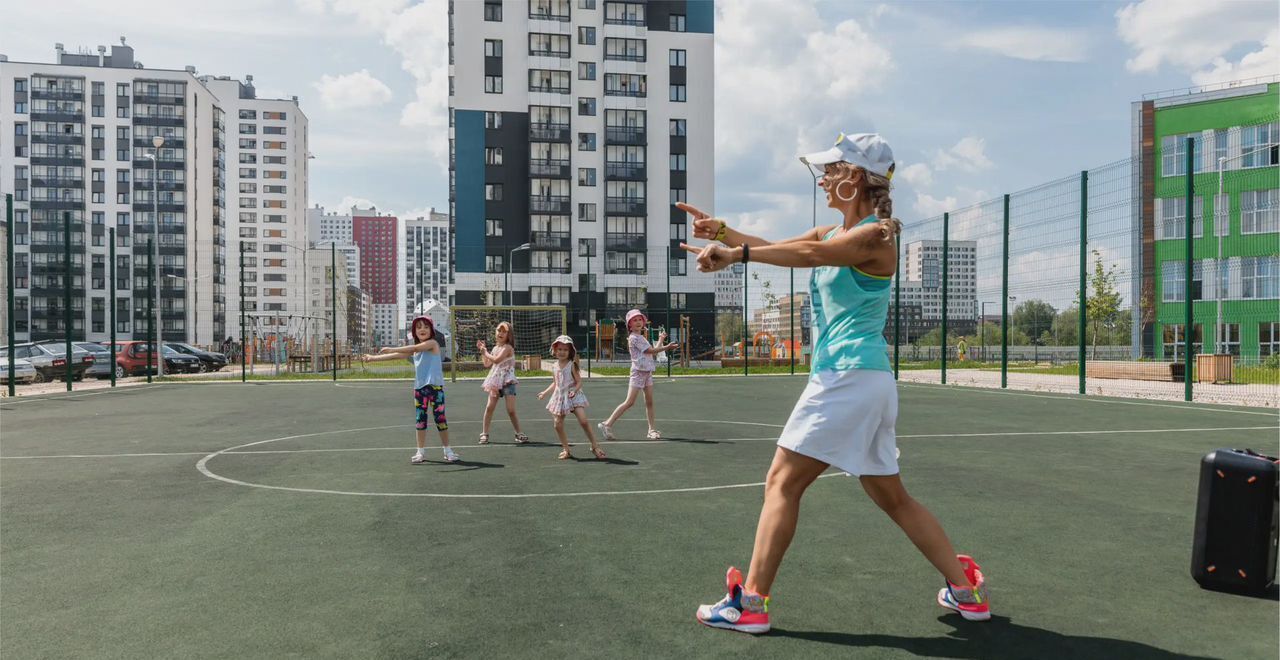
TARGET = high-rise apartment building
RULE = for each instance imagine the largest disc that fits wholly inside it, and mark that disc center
(574, 127)
(378, 239)
(426, 262)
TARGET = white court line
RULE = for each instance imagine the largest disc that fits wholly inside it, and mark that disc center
(1197, 407)
(613, 442)
(57, 396)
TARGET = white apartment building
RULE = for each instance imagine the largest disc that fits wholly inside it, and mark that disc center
(327, 302)
(78, 147)
(574, 126)
(728, 284)
(426, 261)
(922, 279)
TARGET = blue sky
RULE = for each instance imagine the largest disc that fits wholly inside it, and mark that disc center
(976, 98)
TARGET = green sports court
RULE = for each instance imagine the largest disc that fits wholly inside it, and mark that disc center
(274, 520)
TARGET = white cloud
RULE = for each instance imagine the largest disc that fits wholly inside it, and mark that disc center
(1196, 36)
(1260, 63)
(969, 155)
(419, 34)
(1038, 44)
(352, 90)
(916, 174)
(928, 206)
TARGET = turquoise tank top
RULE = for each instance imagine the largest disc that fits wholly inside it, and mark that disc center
(427, 370)
(850, 308)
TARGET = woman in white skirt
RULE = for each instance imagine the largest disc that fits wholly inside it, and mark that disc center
(845, 417)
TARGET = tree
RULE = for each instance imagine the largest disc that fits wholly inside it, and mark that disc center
(1103, 302)
(1066, 327)
(1033, 317)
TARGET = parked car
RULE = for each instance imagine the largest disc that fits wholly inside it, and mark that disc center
(49, 365)
(209, 360)
(22, 367)
(101, 358)
(79, 353)
(131, 359)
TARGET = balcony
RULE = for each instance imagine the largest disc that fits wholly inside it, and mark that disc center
(550, 240)
(58, 159)
(625, 242)
(625, 57)
(57, 182)
(58, 204)
(55, 137)
(563, 270)
(159, 99)
(547, 87)
(637, 92)
(549, 132)
(546, 167)
(163, 185)
(169, 143)
(59, 115)
(159, 121)
(624, 205)
(57, 94)
(554, 204)
(628, 135)
(623, 170)
(549, 53)
(637, 21)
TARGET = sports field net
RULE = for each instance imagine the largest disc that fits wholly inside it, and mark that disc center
(533, 330)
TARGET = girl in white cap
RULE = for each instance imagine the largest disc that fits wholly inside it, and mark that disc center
(566, 395)
(845, 418)
(501, 381)
(642, 368)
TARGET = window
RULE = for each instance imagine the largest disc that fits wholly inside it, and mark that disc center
(493, 10)
(1174, 338)
(1268, 339)
(493, 84)
(273, 130)
(20, 84)
(678, 162)
(679, 93)
(679, 231)
(1171, 218)
(624, 13)
(624, 296)
(586, 4)
(1260, 278)
(493, 120)
(586, 106)
(493, 192)
(1227, 339)
(247, 143)
(20, 107)
(679, 195)
(1173, 281)
(1221, 215)
(625, 84)
(248, 114)
(549, 295)
(493, 48)
(587, 36)
(493, 227)
(1173, 154)
(676, 22)
(679, 127)
(586, 142)
(628, 50)
(586, 212)
(493, 263)
(676, 57)
(1258, 146)
(586, 247)
(549, 80)
(548, 45)
(586, 70)
(493, 155)
(1259, 211)
(586, 176)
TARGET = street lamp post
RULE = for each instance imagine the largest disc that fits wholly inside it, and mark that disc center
(511, 255)
(157, 142)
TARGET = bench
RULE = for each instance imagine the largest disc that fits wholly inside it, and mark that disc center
(1170, 371)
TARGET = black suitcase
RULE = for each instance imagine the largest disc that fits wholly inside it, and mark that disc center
(1237, 513)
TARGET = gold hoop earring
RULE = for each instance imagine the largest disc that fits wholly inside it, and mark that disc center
(842, 198)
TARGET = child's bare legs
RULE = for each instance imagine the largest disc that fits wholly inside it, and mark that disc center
(444, 437)
(648, 407)
(564, 438)
(623, 407)
(489, 407)
(511, 412)
(586, 428)
(422, 440)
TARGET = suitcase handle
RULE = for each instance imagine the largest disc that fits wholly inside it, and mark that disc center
(1250, 452)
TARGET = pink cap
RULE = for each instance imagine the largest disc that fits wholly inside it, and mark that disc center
(634, 313)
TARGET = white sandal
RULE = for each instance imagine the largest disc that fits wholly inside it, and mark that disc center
(654, 435)
(484, 438)
(522, 439)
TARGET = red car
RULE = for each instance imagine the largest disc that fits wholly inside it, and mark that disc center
(131, 359)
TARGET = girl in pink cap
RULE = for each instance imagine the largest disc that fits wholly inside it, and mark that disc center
(566, 395)
(642, 367)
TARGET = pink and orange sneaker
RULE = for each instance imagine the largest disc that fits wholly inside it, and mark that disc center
(971, 603)
(738, 610)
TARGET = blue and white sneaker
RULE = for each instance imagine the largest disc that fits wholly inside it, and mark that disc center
(738, 610)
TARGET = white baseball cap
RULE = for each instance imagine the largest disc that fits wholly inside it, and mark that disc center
(866, 150)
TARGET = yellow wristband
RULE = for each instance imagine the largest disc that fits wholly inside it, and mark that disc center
(724, 230)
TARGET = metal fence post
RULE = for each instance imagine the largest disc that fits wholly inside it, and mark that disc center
(111, 236)
(11, 287)
(946, 262)
(1084, 273)
(151, 318)
(1188, 328)
(1004, 302)
(745, 304)
(333, 303)
(667, 251)
(66, 292)
(244, 341)
(897, 307)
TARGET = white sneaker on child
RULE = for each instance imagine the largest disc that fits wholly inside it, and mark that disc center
(606, 430)
(418, 458)
(449, 456)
